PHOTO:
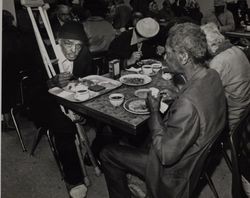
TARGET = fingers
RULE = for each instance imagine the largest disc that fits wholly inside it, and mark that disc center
(63, 79)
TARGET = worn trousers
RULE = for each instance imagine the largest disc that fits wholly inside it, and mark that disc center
(117, 161)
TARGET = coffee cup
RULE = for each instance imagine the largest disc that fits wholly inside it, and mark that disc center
(248, 28)
(156, 67)
(82, 95)
(147, 69)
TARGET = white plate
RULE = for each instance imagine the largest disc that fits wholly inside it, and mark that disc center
(133, 69)
(135, 79)
(136, 106)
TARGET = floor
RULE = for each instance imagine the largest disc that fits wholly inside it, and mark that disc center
(25, 176)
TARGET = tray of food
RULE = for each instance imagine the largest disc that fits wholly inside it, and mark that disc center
(86, 88)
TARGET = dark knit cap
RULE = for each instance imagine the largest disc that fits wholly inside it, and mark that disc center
(72, 30)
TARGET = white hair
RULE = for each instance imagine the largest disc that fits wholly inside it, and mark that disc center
(213, 36)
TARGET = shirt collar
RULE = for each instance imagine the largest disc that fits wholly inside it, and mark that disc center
(135, 39)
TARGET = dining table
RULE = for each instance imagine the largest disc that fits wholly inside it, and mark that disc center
(102, 110)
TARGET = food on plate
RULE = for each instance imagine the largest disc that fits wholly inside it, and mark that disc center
(138, 106)
(167, 76)
(108, 85)
(147, 62)
(142, 93)
(75, 86)
(134, 80)
(88, 83)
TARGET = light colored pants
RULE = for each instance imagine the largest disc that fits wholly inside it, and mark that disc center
(246, 186)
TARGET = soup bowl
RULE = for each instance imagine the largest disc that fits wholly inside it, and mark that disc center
(116, 99)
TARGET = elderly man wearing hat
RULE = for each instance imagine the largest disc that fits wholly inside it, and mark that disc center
(76, 62)
(222, 17)
(133, 45)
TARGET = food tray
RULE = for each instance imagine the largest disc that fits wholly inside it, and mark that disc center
(68, 94)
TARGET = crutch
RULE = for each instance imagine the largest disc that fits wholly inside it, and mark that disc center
(51, 72)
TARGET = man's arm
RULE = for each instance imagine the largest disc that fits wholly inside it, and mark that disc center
(171, 139)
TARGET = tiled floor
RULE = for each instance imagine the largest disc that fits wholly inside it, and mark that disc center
(24, 176)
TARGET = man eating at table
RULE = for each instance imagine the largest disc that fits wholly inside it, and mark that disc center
(193, 122)
(76, 61)
(133, 45)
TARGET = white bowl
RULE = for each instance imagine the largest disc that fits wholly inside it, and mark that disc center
(82, 95)
(116, 99)
(156, 67)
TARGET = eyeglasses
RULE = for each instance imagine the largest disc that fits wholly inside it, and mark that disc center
(70, 44)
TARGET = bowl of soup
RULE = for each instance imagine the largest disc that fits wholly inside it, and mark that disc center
(116, 99)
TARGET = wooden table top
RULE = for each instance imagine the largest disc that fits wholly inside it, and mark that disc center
(101, 109)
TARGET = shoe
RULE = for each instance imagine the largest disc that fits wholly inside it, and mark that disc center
(79, 191)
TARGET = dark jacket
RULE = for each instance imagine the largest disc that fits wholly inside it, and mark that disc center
(194, 120)
(120, 47)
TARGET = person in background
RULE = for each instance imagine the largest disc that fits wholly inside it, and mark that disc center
(188, 8)
(221, 17)
(136, 16)
(234, 69)
(166, 12)
(243, 14)
(121, 15)
(11, 65)
(194, 120)
(100, 32)
(61, 15)
(75, 58)
(133, 45)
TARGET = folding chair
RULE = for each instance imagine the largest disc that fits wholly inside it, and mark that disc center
(81, 137)
(240, 154)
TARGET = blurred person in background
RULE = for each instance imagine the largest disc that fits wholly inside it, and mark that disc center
(11, 65)
(234, 69)
(222, 17)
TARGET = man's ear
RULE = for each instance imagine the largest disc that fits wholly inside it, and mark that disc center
(183, 57)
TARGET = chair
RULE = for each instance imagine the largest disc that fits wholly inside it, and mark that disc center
(240, 152)
(19, 107)
(100, 62)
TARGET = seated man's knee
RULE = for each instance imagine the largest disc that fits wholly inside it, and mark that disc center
(107, 152)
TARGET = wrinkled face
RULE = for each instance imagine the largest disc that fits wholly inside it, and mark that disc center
(172, 60)
(70, 48)
(64, 13)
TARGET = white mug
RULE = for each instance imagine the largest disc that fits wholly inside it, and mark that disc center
(147, 69)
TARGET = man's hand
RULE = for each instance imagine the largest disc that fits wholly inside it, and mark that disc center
(160, 50)
(62, 79)
(134, 57)
(153, 102)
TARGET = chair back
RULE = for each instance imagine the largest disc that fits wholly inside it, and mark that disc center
(240, 154)
(204, 162)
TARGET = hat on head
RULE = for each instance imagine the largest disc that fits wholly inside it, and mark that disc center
(147, 27)
(219, 2)
(71, 30)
